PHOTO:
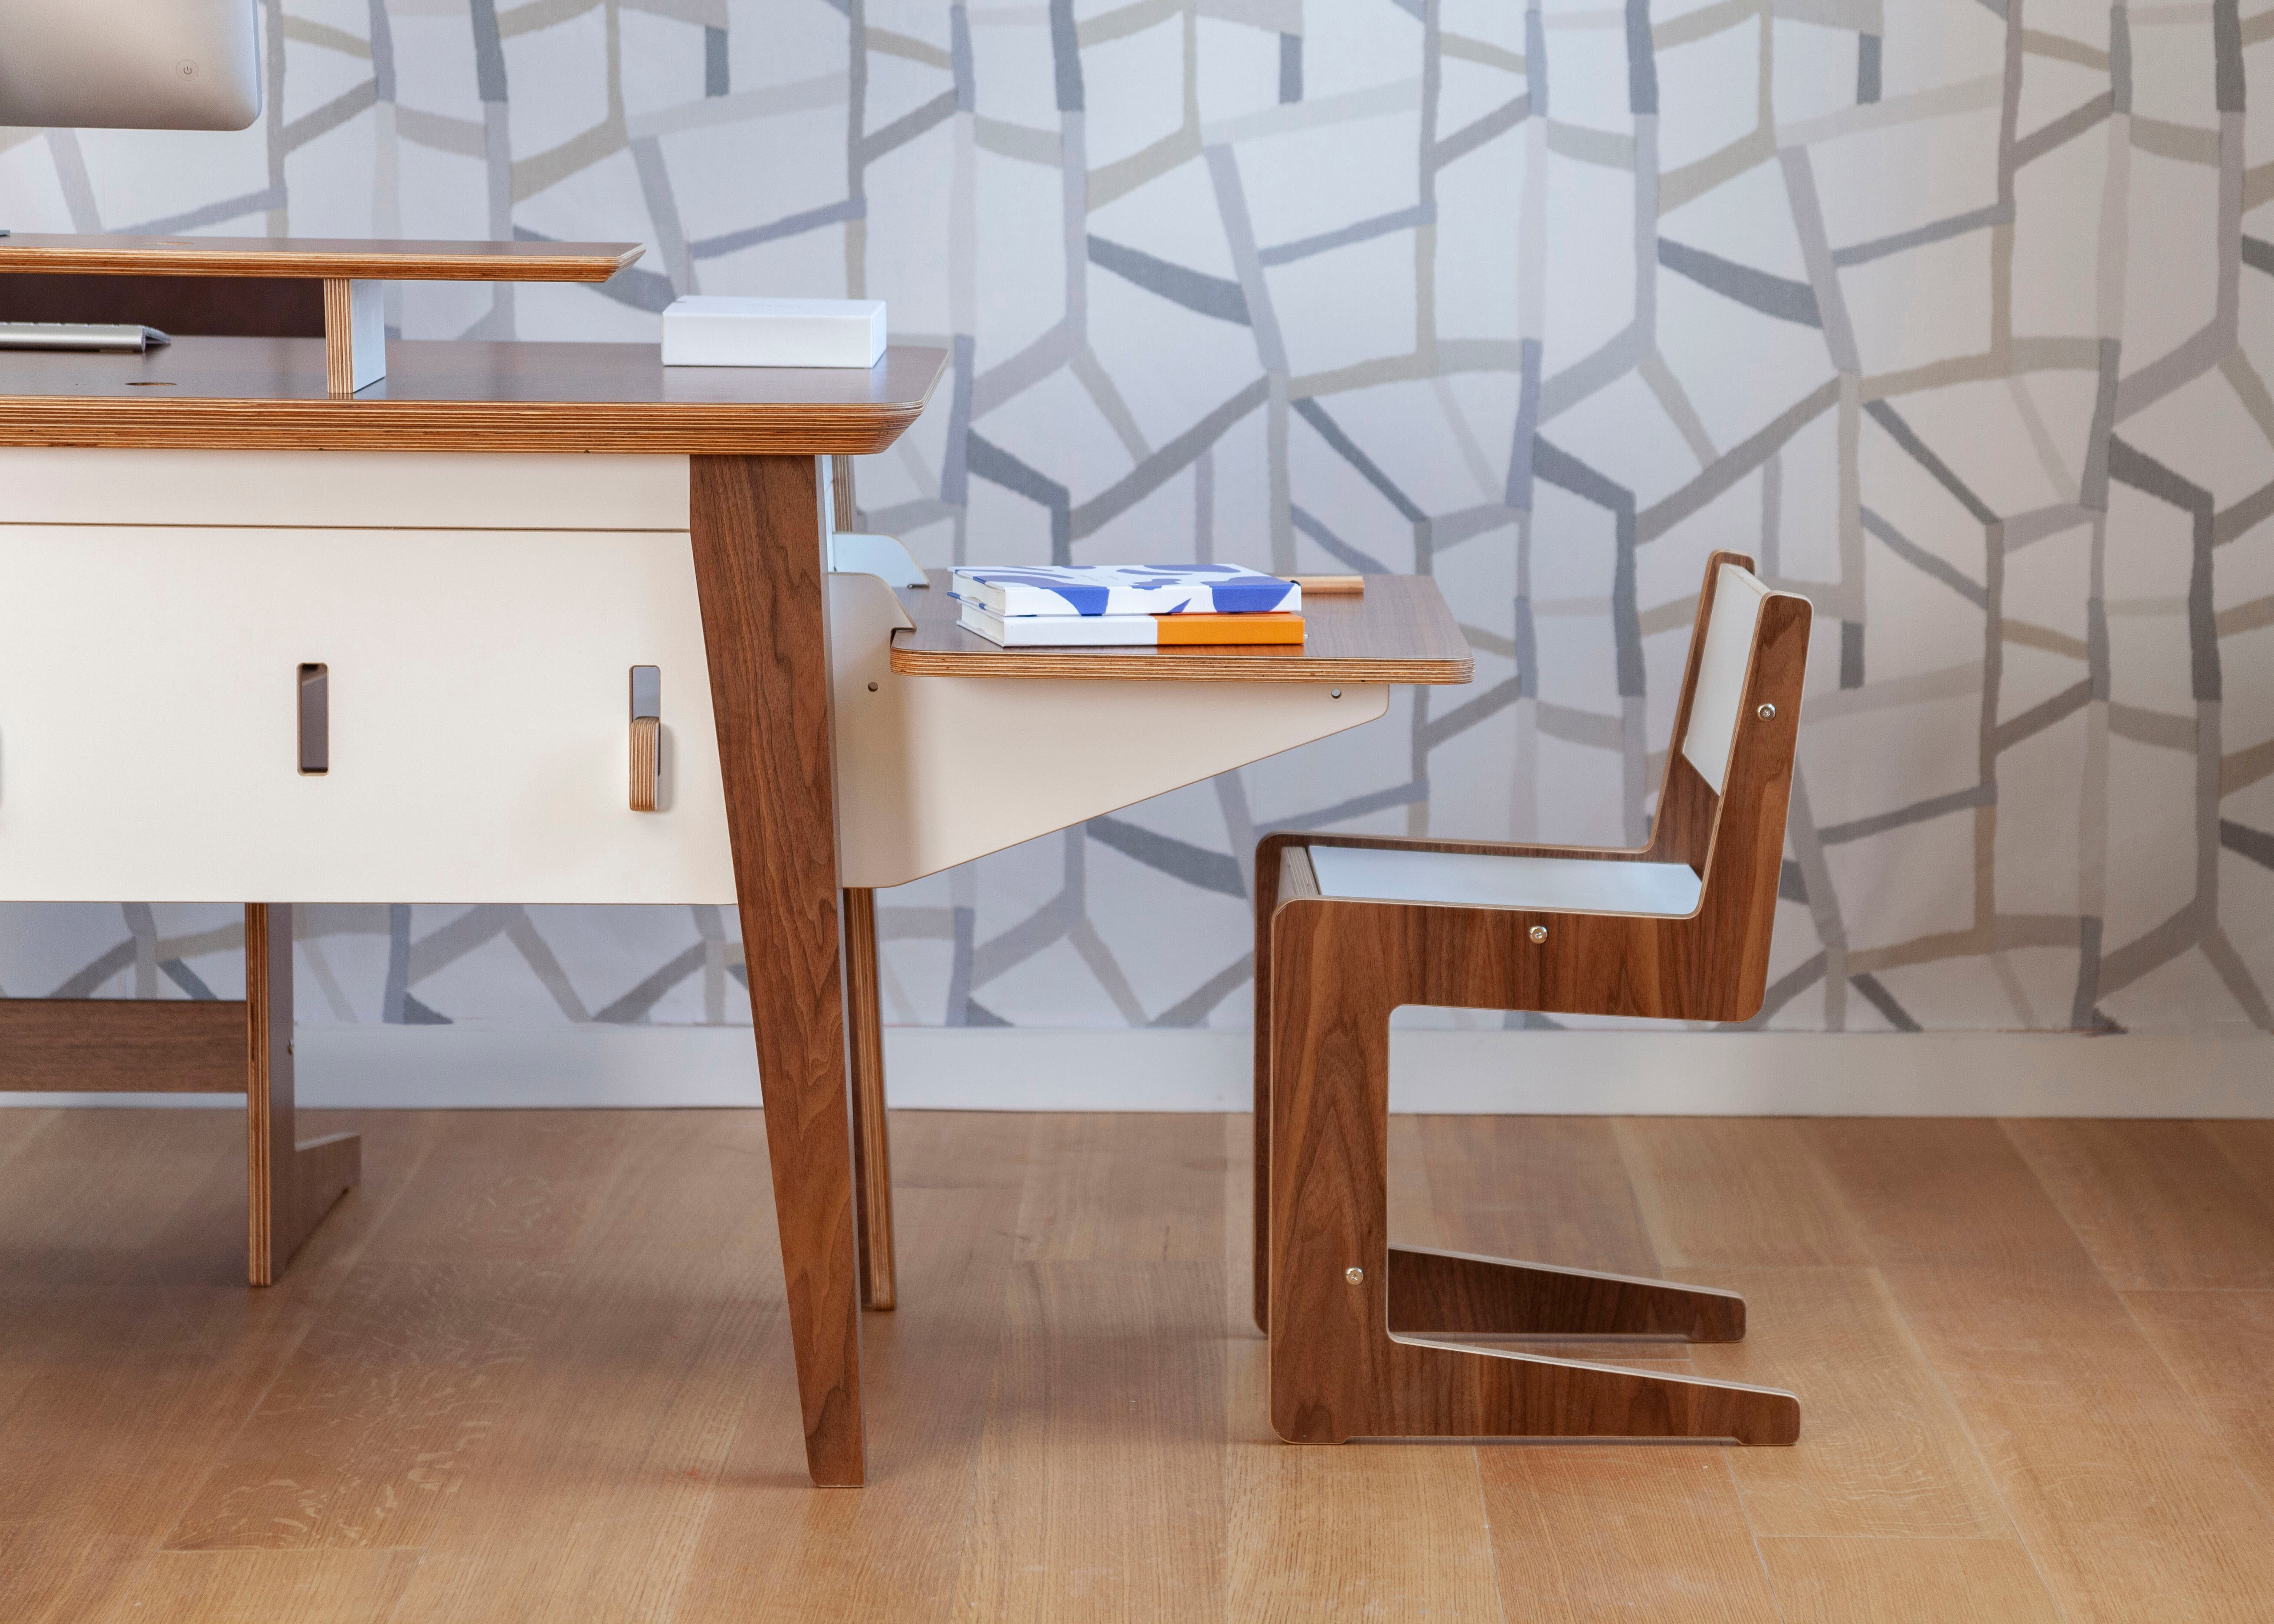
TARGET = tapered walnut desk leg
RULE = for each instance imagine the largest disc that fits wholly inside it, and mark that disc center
(290, 1185)
(872, 1152)
(756, 526)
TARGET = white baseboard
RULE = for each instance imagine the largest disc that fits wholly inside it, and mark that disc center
(1583, 1073)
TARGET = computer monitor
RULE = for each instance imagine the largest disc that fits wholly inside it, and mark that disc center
(129, 64)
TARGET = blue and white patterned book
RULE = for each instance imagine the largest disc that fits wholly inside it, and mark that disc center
(1017, 590)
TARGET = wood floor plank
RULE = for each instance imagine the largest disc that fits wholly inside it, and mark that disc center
(964, 1150)
(2249, 1145)
(1068, 1411)
(372, 1423)
(2128, 1502)
(91, 1190)
(1413, 1208)
(1944, 1192)
(19, 1127)
(1735, 1192)
(1583, 1534)
(229, 1587)
(1350, 1530)
(2156, 1203)
(1550, 1190)
(126, 1417)
(1883, 1451)
(622, 1415)
(511, 1186)
(369, 1428)
(1100, 1487)
(2220, 1345)
(1125, 1187)
(1865, 1581)
(1541, 1189)
(774, 1550)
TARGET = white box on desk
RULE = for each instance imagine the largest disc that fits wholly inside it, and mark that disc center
(721, 330)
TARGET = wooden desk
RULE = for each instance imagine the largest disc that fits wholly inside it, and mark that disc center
(752, 438)
(753, 520)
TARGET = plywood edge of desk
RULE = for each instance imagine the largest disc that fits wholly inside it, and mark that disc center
(1192, 664)
(362, 425)
(324, 259)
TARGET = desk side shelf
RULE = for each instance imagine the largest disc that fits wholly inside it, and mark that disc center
(1400, 630)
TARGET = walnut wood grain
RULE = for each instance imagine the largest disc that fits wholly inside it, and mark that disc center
(1398, 630)
(756, 524)
(1436, 1293)
(1330, 971)
(872, 1150)
(121, 1045)
(273, 394)
(291, 1182)
(230, 306)
(371, 259)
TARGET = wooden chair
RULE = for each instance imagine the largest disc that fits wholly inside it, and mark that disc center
(1367, 1336)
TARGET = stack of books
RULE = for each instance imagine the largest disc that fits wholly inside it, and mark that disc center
(1126, 605)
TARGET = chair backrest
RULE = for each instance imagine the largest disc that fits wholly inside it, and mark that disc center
(1728, 642)
(1718, 682)
(1721, 806)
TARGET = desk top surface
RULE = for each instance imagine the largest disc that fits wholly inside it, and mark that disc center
(342, 257)
(1399, 630)
(270, 395)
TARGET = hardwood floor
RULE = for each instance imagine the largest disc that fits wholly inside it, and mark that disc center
(537, 1366)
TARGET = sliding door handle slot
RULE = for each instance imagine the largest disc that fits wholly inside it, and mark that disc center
(647, 735)
(315, 718)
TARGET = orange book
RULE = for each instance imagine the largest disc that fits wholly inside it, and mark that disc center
(1126, 631)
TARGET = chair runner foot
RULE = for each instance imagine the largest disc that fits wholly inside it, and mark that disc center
(1440, 1293)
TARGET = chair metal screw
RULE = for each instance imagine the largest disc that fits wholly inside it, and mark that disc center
(1767, 713)
(1355, 1275)
(1334, 693)
(872, 687)
(1539, 933)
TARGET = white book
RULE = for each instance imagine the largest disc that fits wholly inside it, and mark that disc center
(706, 329)
(1088, 589)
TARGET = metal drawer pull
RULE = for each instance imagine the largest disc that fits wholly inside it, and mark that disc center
(647, 735)
(315, 718)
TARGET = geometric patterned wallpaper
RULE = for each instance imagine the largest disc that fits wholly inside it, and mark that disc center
(1956, 312)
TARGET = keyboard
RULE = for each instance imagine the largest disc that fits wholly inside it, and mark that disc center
(79, 335)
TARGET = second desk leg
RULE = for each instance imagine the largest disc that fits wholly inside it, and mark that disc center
(756, 523)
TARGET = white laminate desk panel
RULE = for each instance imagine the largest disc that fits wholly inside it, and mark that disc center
(371, 490)
(480, 716)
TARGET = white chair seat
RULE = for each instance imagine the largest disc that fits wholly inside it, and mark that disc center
(1536, 884)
